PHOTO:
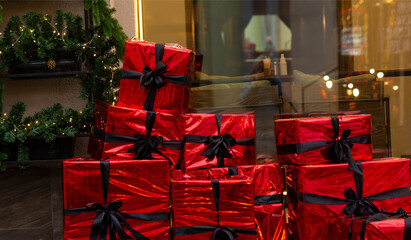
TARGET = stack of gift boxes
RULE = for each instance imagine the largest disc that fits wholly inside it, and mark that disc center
(336, 190)
(161, 173)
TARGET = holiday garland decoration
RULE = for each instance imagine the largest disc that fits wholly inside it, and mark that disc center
(39, 36)
(48, 124)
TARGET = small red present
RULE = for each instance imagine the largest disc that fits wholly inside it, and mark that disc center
(156, 77)
(305, 141)
(127, 133)
(117, 199)
(320, 194)
(268, 186)
(213, 209)
(382, 225)
(218, 140)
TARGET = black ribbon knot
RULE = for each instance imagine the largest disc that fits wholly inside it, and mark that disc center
(358, 205)
(220, 146)
(153, 79)
(144, 146)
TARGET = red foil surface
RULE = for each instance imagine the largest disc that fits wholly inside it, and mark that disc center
(171, 98)
(312, 221)
(392, 229)
(128, 122)
(267, 180)
(142, 186)
(193, 205)
(238, 126)
(293, 131)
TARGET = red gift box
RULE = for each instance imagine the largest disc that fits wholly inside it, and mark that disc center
(115, 198)
(382, 225)
(213, 209)
(268, 187)
(321, 140)
(156, 77)
(321, 193)
(127, 133)
(218, 140)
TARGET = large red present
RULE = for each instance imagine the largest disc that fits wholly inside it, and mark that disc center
(218, 140)
(127, 133)
(322, 193)
(382, 225)
(156, 77)
(268, 186)
(305, 141)
(213, 209)
(120, 199)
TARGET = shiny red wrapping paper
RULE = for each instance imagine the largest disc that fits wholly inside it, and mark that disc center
(171, 98)
(312, 221)
(142, 186)
(128, 122)
(239, 126)
(301, 130)
(390, 229)
(193, 204)
(267, 180)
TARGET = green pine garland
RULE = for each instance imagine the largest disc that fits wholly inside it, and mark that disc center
(39, 36)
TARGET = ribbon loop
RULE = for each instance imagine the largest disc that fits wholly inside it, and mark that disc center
(224, 233)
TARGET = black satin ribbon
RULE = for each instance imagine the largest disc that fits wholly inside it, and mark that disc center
(356, 204)
(154, 79)
(109, 219)
(341, 146)
(384, 215)
(221, 145)
(144, 145)
(268, 199)
(219, 232)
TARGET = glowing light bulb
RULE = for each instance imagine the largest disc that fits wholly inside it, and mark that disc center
(326, 77)
(395, 87)
(350, 85)
(329, 84)
(372, 70)
(37, 121)
(380, 75)
(349, 92)
(356, 92)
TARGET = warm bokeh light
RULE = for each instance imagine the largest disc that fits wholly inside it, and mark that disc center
(356, 92)
(395, 88)
(326, 77)
(350, 85)
(372, 70)
(329, 84)
(380, 75)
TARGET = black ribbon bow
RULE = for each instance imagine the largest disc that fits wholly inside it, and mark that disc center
(109, 219)
(154, 79)
(384, 215)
